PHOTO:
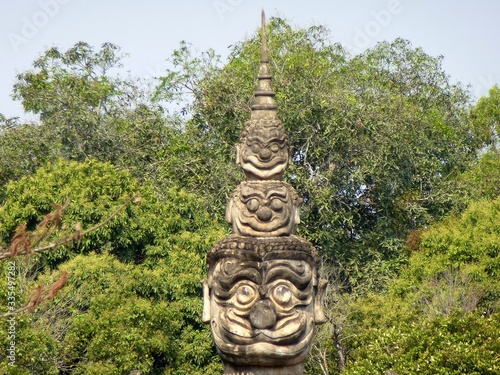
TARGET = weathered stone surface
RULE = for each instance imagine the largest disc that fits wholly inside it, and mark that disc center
(230, 369)
(263, 209)
(263, 296)
(250, 248)
(263, 152)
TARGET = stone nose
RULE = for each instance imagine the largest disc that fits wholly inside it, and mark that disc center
(265, 153)
(263, 314)
(264, 213)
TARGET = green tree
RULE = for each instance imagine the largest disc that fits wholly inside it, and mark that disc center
(442, 315)
(96, 189)
(374, 137)
(132, 299)
(71, 93)
(480, 182)
(86, 109)
(197, 159)
(486, 114)
(458, 344)
(23, 149)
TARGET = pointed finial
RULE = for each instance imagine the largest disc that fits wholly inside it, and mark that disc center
(264, 58)
(263, 152)
(263, 103)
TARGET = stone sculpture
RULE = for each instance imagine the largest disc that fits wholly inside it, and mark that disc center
(263, 209)
(263, 152)
(263, 295)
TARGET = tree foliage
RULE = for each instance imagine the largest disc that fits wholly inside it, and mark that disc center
(374, 136)
(384, 148)
(457, 344)
(23, 149)
(441, 316)
(486, 114)
(86, 109)
(132, 299)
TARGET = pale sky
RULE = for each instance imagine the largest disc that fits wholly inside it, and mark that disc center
(466, 33)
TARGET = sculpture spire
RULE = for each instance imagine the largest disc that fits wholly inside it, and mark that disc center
(263, 105)
(263, 294)
(264, 58)
(263, 152)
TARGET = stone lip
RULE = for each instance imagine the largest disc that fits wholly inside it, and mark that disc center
(263, 353)
(230, 369)
(263, 248)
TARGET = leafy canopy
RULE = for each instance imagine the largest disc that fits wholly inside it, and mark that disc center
(132, 300)
(375, 137)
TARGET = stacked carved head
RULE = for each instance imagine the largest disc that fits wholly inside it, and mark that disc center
(263, 152)
(263, 209)
(263, 297)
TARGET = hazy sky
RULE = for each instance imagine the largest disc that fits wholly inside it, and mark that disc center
(465, 32)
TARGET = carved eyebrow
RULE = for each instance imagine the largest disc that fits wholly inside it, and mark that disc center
(230, 273)
(277, 192)
(277, 140)
(247, 194)
(254, 138)
(251, 140)
(294, 272)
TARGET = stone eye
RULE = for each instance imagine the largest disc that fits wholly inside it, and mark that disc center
(276, 205)
(274, 147)
(282, 295)
(245, 294)
(253, 205)
(255, 147)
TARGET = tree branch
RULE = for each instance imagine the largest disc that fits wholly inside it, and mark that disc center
(75, 236)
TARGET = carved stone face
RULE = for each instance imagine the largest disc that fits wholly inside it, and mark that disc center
(263, 209)
(263, 153)
(263, 312)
